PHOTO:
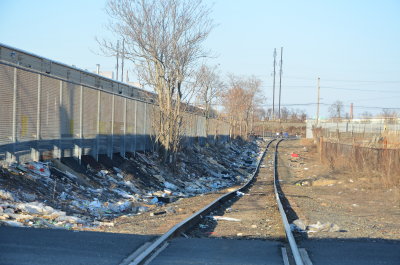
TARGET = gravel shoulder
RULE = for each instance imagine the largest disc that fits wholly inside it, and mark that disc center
(359, 205)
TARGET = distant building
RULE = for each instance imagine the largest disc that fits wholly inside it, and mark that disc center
(135, 84)
(108, 74)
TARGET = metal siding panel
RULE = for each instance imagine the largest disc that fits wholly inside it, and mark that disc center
(130, 125)
(27, 94)
(149, 125)
(6, 106)
(119, 116)
(118, 123)
(69, 111)
(89, 113)
(50, 108)
(105, 122)
(140, 126)
(105, 113)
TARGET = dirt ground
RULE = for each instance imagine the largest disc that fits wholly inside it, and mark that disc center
(256, 211)
(357, 203)
(160, 219)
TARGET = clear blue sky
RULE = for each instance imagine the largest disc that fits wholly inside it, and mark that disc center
(354, 46)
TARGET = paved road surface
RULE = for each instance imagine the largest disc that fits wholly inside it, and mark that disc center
(212, 251)
(20, 246)
(352, 251)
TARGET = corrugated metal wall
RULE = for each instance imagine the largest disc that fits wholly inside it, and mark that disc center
(39, 113)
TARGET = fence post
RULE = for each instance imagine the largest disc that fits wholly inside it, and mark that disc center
(78, 148)
(321, 149)
(123, 151)
(35, 151)
(98, 125)
(144, 125)
(57, 149)
(111, 151)
(135, 133)
(10, 155)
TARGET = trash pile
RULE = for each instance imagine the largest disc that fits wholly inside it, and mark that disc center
(67, 194)
(299, 226)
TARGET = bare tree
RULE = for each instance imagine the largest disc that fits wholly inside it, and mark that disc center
(336, 110)
(163, 39)
(284, 114)
(210, 87)
(240, 102)
(389, 115)
(366, 117)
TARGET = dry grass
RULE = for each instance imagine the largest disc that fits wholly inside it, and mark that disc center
(384, 163)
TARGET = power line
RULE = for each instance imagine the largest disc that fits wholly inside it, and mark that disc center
(363, 90)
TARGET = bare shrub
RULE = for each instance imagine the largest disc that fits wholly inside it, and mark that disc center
(384, 163)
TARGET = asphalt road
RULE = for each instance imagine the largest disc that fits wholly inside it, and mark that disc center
(20, 246)
(210, 251)
(353, 251)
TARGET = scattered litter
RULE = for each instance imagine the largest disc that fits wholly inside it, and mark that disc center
(158, 213)
(11, 223)
(102, 173)
(223, 218)
(72, 176)
(300, 224)
(294, 155)
(39, 168)
(202, 226)
(239, 194)
(326, 227)
(6, 195)
(95, 192)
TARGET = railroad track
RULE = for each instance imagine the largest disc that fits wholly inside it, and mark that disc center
(148, 251)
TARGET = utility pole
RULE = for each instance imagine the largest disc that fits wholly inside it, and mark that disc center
(117, 59)
(273, 88)
(318, 88)
(280, 87)
(122, 60)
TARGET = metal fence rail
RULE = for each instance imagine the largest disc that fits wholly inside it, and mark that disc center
(41, 114)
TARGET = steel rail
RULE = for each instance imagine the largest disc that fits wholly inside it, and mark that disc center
(185, 224)
(288, 231)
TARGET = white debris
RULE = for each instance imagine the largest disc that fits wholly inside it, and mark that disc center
(117, 170)
(299, 224)
(239, 194)
(6, 195)
(35, 208)
(63, 196)
(223, 218)
(170, 186)
(70, 219)
(124, 194)
(12, 223)
(39, 168)
(102, 173)
(94, 205)
(28, 196)
(70, 175)
(326, 227)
